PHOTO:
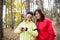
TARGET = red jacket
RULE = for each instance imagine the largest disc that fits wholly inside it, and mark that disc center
(45, 30)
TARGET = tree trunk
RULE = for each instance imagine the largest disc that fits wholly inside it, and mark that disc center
(1, 26)
(57, 14)
(12, 23)
(42, 7)
(27, 5)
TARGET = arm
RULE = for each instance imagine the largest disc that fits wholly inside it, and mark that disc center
(17, 30)
(50, 30)
(33, 32)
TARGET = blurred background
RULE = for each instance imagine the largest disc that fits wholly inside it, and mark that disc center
(12, 12)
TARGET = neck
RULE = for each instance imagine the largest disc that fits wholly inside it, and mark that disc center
(28, 20)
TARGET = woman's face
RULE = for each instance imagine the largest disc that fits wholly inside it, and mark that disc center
(37, 15)
(29, 17)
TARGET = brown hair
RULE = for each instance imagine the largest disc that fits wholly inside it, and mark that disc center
(40, 12)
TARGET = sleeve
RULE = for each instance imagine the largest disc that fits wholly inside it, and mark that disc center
(17, 30)
(50, 31)
(34, 31)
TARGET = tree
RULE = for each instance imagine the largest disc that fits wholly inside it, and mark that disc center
(27, 5)
(1, 26)
(9, 6)
(42, 7)
(14, 11)
(57, 5)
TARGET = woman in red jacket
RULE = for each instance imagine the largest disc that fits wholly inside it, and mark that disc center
(44, 26)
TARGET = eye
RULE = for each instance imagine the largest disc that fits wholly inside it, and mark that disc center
(29, 17)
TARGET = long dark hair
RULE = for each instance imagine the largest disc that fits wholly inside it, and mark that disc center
(40, 12)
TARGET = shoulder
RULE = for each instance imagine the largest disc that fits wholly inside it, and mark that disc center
(32, 22)
(47, 19)
(21, 23)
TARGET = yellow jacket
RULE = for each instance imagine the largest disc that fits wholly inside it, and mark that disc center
(30, 33)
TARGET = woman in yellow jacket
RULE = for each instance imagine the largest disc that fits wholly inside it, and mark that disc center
(27, 29)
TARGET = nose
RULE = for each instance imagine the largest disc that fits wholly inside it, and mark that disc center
(36, 15)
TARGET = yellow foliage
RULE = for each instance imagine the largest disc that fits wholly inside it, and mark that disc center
(10, 1)
(20, 5)
(17, 18)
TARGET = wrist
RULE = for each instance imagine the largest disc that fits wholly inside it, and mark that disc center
(26, 29)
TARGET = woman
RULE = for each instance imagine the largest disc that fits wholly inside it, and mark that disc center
(27, 29)
(44, 26)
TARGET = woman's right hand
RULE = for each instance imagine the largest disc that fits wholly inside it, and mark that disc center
(22, 28)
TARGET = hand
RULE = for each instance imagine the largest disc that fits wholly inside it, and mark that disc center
(23, 29)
